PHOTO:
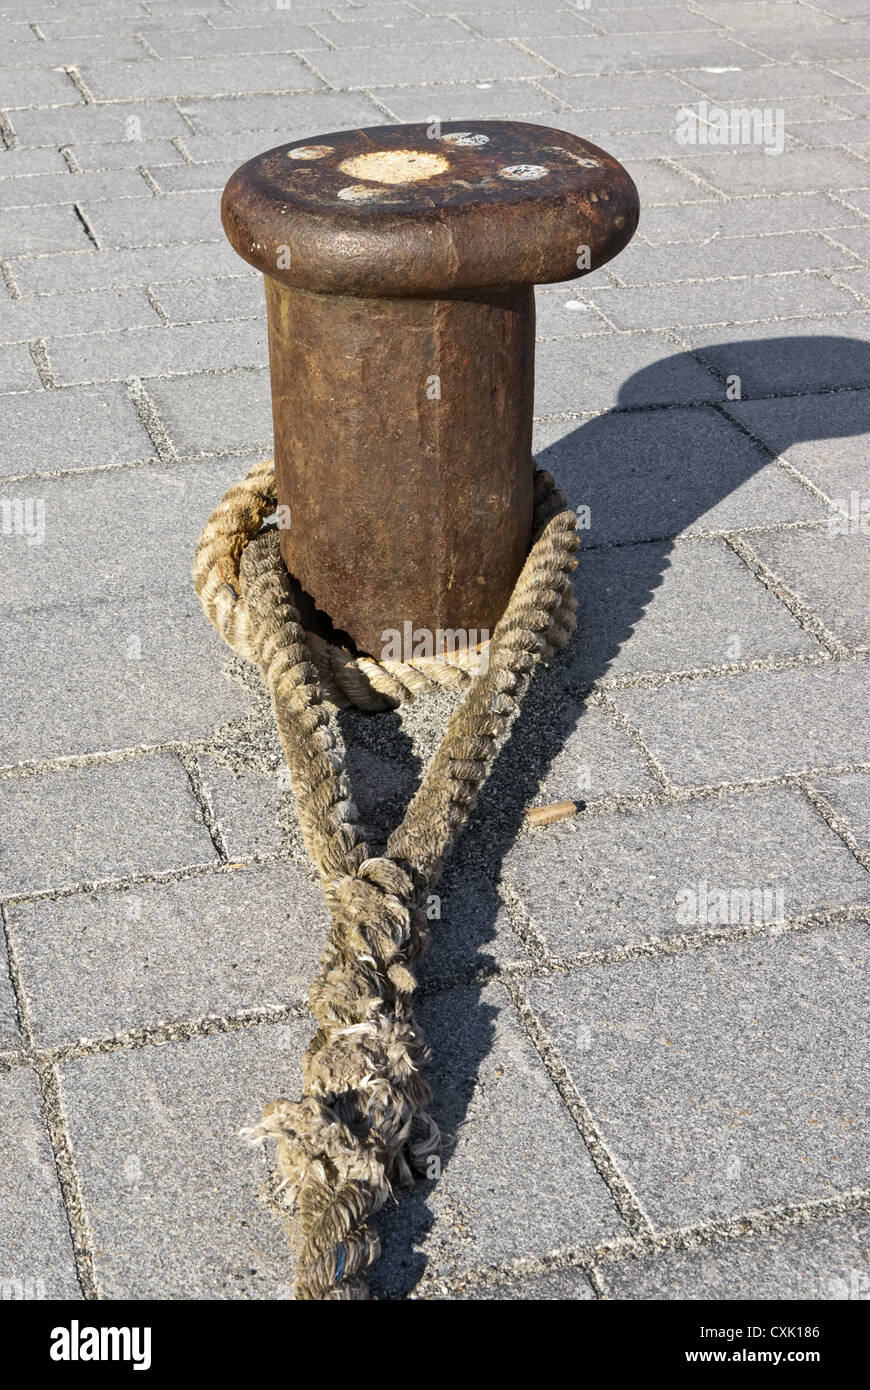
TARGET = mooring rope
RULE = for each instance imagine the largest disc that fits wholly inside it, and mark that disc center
(363, 1118)
(346, 679)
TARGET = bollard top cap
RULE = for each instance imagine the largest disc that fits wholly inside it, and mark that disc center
(429, 209)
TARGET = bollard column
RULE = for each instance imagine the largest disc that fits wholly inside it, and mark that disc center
(399, 264)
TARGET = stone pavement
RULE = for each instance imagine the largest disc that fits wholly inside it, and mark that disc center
(649, 1022)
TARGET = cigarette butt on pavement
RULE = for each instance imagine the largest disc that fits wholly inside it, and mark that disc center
(546, 815)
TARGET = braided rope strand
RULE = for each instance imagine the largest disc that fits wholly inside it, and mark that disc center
(346, 680)
(363, 1115)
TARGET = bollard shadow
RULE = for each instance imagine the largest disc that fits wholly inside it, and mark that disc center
(666, 460)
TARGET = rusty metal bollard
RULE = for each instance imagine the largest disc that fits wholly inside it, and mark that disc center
(399, 264)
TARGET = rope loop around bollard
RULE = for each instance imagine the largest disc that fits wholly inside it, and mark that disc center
(346, 679)
(363, 1119)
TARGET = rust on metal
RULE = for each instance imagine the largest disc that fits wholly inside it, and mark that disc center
(399, 265)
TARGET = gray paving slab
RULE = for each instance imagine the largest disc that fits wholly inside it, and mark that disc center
(854, 103)
(765, 82)
(197, 77)
(382, 784)
(48, 430)
(596, 760)
(671, 18)
(10, 1033)
(100, 677)
(721, 1081)
(179, 178)
(605, 92)
(470, 927)
(726, 302)
(158, 351)
(83, 824)
(747, 217)
(248, 787)
(246, 806)
(635, 144)
(857, 281)
(733, 256)
(22, 320)
(164, 1227)
(640, 369)
(386, 32)
(758, 15)
(33, 231)
(740, 172)
(462, 101)
(650, 475)
(560, 314)
(819, 435)
(98, 964)
(166, 14)
(111, 528)
(294, 116)
(515, 1145)
(46, 190)
(797, 359)
(190, 216)
(504, 6)
(661, 185)
(849, 794)
(239, 145)
(243, 12)
(830, 573)
(35, 1238)
(663, 118)
(79, 23)
(821, 1261)
(208, 413)
(124, 154)
(23, 163)
(71, 50)
(389, 66)
(615, 880)
(196, 301)
(562, 1285)
(17, 369)
(91, 269)
(284, 37)
(766, 724)
(14, 32)
(586, 53)
(849, 133)
(133, 121)
(23, 87)
(858, 199)
(347, 13)
(852, 68)
(662, 607)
